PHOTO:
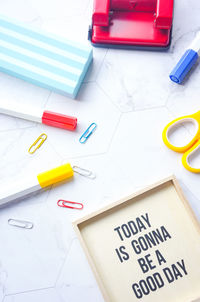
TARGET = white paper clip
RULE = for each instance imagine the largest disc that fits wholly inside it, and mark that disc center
(20, 223)
(84, 172)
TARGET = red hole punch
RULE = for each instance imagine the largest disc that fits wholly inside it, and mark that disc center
(63, 203)
(132, 23)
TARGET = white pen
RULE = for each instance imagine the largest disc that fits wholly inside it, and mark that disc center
(39, 116)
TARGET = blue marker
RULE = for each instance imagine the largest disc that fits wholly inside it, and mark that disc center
(189, 58)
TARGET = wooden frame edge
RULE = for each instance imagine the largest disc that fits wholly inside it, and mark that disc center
(91, 263)
(186, 204)
(116, 203)
(76, 223)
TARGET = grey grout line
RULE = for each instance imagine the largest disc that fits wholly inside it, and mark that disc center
(62, 18)
(169, 95)
(100, 153)
(4, 297)
(47, 197)
(170, 111)
(114, 133)
(61, 299)
(47, 99)
(101, 65)
(194, 31)
(64, 261)
(145, 109)
(35, 19)
(86, 8)
(55, 150)
(131, 111)
(109, 145)
(89, 82)
(28, 291)
(104, 92)
(88, 155)
(117, 126)
(16, 129)
(194, 196)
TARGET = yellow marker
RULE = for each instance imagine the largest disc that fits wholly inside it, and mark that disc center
(190, 148)
(53, 176)
(21, 189)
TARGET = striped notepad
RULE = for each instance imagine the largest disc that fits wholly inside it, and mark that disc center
(42, 59)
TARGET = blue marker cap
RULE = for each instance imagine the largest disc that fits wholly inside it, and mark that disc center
(183, 66)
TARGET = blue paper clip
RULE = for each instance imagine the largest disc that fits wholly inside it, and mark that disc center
(87, 133)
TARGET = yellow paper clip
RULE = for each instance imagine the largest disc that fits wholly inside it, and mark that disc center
(41, 139)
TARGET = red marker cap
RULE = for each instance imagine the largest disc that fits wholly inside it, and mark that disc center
(59, 120)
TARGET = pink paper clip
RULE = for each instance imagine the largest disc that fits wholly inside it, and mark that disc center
(63, 203)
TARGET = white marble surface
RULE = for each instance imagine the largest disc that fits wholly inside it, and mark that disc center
(128, 94)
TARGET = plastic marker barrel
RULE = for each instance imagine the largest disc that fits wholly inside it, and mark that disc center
(22, 188)
(59, 120)
(38, 115)
(186, 62)
(55, 175)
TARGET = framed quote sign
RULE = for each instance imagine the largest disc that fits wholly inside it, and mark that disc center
(145, 247)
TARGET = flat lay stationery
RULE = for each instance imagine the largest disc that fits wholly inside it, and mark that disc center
(109, 87)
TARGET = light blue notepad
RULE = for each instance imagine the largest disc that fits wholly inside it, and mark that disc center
(43, 59)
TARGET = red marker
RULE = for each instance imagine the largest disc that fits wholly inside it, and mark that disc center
(37, 115)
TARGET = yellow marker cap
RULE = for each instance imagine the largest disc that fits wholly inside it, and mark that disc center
(55, 175)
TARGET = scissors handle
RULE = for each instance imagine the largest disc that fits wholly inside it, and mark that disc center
(186, 157)
(195, 119)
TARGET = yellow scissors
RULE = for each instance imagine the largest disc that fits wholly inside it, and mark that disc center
(192, 146)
